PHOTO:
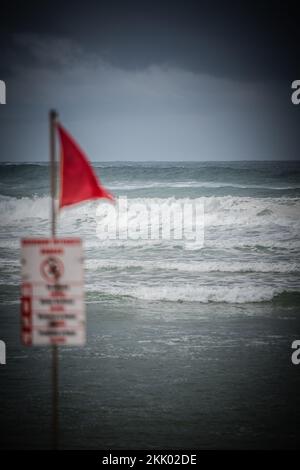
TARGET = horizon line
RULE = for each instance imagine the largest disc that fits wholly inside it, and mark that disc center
(32, 162)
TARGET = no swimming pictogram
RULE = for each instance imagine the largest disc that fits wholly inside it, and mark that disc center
(52, 269)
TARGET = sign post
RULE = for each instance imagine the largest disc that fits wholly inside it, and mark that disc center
(52, 298)
(55, 392)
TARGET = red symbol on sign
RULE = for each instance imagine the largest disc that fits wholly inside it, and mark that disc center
(52, 269)
(26, 320)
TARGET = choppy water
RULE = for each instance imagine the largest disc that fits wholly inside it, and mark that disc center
(251, 249)
(188, 346)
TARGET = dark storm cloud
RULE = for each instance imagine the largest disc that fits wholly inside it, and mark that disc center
(235, 39)
(151, 80)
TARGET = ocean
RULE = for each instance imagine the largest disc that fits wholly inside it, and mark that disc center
(189, 345)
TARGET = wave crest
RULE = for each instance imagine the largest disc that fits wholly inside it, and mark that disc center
(205, 294)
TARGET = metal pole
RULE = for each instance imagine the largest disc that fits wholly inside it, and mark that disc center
(55, 394)
(53, 118)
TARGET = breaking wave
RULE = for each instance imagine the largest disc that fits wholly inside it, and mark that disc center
(251, 250)
(205, 294)
(218, 210)
(195, 267)
(195, 184)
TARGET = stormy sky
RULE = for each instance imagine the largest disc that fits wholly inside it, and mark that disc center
(151, 80)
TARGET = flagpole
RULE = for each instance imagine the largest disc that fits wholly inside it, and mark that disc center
(55, 394)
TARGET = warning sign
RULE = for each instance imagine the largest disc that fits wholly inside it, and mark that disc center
(52, 299)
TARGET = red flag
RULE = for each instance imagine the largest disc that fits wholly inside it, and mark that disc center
(78, 181)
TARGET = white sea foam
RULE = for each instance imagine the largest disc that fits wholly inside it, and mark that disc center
(201, 294)
(229, 222)
(251, 244)
(219, 210)
(17, 210)
(193, 184)
(193, 266)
